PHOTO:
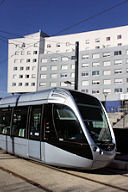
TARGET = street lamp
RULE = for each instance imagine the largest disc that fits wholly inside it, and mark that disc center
(105, 95)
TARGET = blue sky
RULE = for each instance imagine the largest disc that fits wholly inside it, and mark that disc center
(51, 16)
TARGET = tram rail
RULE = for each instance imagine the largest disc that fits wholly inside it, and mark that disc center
(91, 176)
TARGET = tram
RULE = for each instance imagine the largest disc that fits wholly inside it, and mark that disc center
(58, 127)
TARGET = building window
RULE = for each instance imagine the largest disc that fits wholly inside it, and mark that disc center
(118, 90)
(84, 74)
(107, 82)
(64, 75)
(87, 41)
(53, 68)
(27, 68)
(43, 76)
(28, 52)
(35, 44)
(107, 63)
(118, 62)
(72, 75)
(17, 53)
(107, 91)
(27, 60)
(95, 82)
(117, 52)
(64, 58)
(63, 84)
(54, 76)
(118, 71)
(22, 52)
(85, 64)
(97, 47)
(95, 55)
(84, 90)
(85, 83)
(48, 46)
(53, 84)
(119, 44)
(95, 91)
(95, 73)
(119, 36)
(107, 72)
(20, 84)
(108, 38)
(85, 56)
(33, 68)
(97, 40)
(14, 76)
(14, 68)
(33, 76)
(26, 76)
(95, 64)
(44, 68)
(34, 60)
(73, 57)
(67, 43)
(21, 68)
(42, 84)
(13, 84)
(64, 67)
(118, 81)
(106, 54)
(44, 60)
(16, 60)
(26, 84)
(20, 76)
(33, 84)
(35, 52)
(58, 45)
(54, 59)
(73, 66)
(22, 60)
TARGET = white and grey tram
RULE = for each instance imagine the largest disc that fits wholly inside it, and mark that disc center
(58, 127)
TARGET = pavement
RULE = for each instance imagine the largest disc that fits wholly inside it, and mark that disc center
(120, 162)
(57, 181)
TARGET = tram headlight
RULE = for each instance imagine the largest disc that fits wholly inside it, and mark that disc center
(97, 150)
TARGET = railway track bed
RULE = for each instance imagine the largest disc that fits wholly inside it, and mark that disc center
(52, 179)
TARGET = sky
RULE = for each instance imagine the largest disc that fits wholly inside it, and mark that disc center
(22, 17)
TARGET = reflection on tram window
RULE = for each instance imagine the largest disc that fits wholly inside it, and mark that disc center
(35, 123)
(5, 119)
(96, 122)
(67, 125)
(19, 121)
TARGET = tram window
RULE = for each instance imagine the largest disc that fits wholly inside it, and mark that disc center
(67, 125)
(19, 121)
(49, 129)
(5, 120)
(35, 122)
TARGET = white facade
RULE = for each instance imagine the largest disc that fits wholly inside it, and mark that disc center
(23, 56)
(37, 62)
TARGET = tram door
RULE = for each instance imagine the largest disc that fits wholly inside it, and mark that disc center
(34, 143)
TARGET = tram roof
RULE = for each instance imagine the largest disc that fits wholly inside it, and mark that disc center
(28, 98)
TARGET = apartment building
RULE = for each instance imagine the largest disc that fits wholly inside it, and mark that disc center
(38, 62)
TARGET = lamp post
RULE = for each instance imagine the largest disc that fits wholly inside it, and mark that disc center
(105, 95)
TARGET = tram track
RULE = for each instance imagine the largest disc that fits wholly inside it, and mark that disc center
(91, 176)
(80, 174)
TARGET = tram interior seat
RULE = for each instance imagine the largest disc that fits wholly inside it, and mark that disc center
(22, 132)
(6, 130)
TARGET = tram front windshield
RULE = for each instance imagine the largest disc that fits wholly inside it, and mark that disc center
(94, 118)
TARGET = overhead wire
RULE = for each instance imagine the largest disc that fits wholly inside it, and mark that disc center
(91, 17)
